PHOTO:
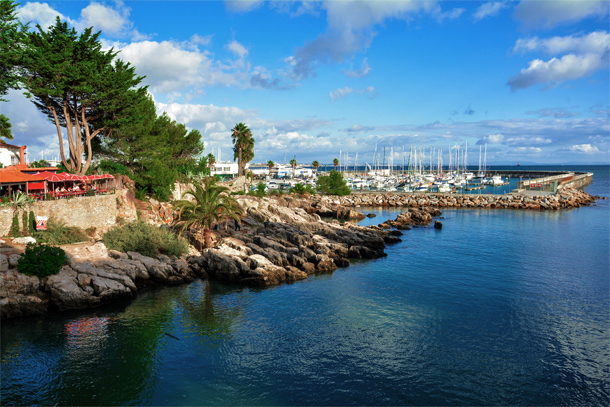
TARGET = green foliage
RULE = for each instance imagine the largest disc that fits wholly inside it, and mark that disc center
(14, 232)
(260, 189)
(111, 167)
(333, 184)
(25, 230)
(39, 164)
(140, 194)
(12, 36)
(5, 130)
(41, 260)
(301, 189)
(211, 202)
(58, 233)
(243, 146)
(144, 238)
(32, 223)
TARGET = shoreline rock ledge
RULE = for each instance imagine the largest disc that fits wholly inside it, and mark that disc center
(280, 242)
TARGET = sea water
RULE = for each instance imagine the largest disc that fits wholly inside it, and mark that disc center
(500, 307)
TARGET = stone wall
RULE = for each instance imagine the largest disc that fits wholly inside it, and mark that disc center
(100, 211)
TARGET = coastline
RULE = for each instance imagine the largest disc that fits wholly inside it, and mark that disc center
(294, 243)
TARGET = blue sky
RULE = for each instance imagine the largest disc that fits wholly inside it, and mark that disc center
(313, 79)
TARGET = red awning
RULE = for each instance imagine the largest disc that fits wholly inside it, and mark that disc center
(51, 177)
(36, 185)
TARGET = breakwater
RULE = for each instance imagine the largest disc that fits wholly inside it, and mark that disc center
(566, 198)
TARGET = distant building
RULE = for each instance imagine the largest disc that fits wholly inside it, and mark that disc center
(9, 154)
(226, 168)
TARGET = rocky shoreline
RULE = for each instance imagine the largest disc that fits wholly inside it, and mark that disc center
(283, 239)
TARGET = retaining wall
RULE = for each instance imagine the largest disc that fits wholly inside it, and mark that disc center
(101, 211)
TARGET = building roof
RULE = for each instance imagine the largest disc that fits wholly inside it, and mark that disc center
(10, 176)
(3, 144)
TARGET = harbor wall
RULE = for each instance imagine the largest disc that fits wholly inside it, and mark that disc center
(101, 211)
(578, 181)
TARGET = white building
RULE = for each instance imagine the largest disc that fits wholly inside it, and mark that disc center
(9, 154)
(224, 168)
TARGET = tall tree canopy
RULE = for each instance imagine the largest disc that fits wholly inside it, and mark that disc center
(78, 86)
(12, 35)
(243, 146)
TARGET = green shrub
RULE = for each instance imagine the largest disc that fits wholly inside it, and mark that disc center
(48, 197)
(58, 233)
(301, 189)
(146, 239)
(15, 226)
(41, 260)
(25, 230)
(260, 189)
(32, 223)
(140, 194)
(333, 184)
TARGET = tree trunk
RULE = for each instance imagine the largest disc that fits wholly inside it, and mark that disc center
(207, 238)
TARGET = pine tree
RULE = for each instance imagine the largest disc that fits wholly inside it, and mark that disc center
(78, 86)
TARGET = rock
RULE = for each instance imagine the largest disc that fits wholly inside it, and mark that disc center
(371, 215)
(3, 263)
(438, 225)
(24, 240)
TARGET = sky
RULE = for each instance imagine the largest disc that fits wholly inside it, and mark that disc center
(339, 79)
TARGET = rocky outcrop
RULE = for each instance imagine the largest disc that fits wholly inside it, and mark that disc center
(91, 278)
(282, 240)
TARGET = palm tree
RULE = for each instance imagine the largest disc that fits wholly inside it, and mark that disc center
(211, 203)
(243, 146)
(293, 164)
(315, 165)
(270, 164)
(335, 163)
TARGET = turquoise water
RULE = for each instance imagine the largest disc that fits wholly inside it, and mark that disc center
(498, 308)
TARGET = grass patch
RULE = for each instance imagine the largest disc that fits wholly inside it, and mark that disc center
(145, 239)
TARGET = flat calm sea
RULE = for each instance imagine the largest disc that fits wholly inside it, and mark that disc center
(499, 307)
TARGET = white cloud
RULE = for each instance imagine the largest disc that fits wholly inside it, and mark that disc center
(556, 71)
(40, 13)
(204, 40)
(528, 150)
(242, 6)
(489, 9)
(595, 42)
(364, 70)
(110, 21)
(534, 13)
(584, 148)
(491, 139)
(238, 49)
(344, 92)
(528, 141)
(206, 118)
(172, 67)
(351, 29)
